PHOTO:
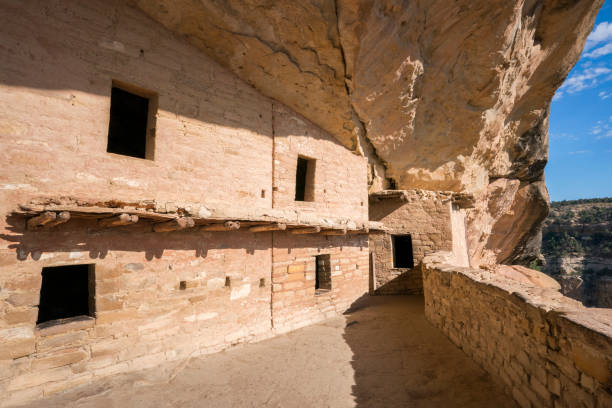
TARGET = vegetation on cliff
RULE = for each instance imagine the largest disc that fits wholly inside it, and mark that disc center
(577, 246)
(578, 228)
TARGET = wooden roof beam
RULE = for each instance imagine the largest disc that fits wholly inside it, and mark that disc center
(308, 230)
(226, 226)
(277, 226)
(119, 220)
(47, 219)
(174, 225)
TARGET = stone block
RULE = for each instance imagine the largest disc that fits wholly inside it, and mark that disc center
(296, 268)
(59, 359)
(28, 283)
(117, 316)
(65, 340)
(588, 382)
(107, 303)
(16, 342)
(21, 316)
(72, 324)
(108, 287)
(18, 397)
(554, 385)
(18, 299)
(593, 364)
(540, 389)
(112, 369)
(520, 398)
(292, 277)
(36, 378)
(74, 381)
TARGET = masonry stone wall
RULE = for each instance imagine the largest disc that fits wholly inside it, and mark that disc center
(548, 350)
(158, 296)
(336, 173)
(213, 133)
(294, 301)
(143, 317)
(426, 216)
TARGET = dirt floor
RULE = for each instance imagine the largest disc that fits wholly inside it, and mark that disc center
(383, 353)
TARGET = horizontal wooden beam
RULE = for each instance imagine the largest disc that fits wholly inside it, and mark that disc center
(277, 226)
(226, 226)
(335, 232)
(308, 230)
(47, 219)
(119, 220)
(174, 225)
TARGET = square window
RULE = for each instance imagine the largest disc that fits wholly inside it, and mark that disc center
(323, 274)
(130, 129)
(66, 291)
(305, 179)
(402, 251)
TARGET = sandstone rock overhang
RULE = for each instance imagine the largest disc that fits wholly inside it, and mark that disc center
(435, 91)
(437, 95)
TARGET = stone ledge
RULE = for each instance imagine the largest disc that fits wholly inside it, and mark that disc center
(548, 350)
(64, 325)
(545, 299)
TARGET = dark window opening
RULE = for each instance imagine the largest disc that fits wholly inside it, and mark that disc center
(129, 123)
(66, 291)
(304, 179)
(323, 273)
(402, 251)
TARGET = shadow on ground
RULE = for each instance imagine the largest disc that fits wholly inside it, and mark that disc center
(382, 353)
(400, 360)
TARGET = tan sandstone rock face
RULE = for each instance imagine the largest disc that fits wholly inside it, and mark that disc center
(439, 95)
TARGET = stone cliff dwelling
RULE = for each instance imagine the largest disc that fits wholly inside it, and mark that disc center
(181, 177)
(417, 223)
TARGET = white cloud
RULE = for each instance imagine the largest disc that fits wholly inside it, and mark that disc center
(558, 95)
(588, 78)
(601, 33)
(598, 128)
(580, 152)
(602, 130)
(604, 94)
(607, 135)
(600, 52)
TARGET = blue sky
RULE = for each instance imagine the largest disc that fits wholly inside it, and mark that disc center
(580, 158)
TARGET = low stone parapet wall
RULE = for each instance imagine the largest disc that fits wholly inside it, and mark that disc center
(547, 349)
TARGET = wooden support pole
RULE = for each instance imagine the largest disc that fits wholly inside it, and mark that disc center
(226, 226)
(335, 232)
(47, 219)
(174, 225)
(40, 220)
(309, 230)
(119, 220)
(277, 226)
